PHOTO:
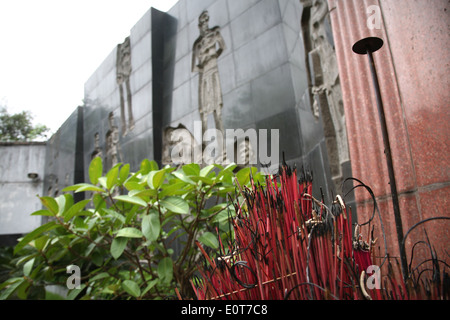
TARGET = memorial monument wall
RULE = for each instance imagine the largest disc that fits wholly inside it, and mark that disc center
(228, 65)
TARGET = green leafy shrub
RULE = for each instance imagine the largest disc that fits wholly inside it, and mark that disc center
(133, 237)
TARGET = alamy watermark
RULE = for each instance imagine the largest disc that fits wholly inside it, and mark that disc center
(73, 281)
(212, 146)
(374, 280)
(374, 20)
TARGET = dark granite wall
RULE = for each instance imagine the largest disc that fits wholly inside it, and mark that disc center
(263, 77)
(64, 162)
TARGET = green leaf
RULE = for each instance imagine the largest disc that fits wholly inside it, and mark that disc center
(260, 178)
(133, 185)
(224, 215)
(148, 166)
(41, 242)
(92, 246)
(192, 169)
(145, 166)
(206, 170)
(85, 213)
(97, 259)
(124, 172)
(27, 267)
(15, 283)
(100, 276)
(23, 290)
(81, 187)
(76, 208)
(156, 179)
(75, 292)
(102, 181)
(43, 213)
(53, 296)
(172, 189)
(223, 191)
(230, 167)
(165, 270)
(114, 214)
(80, 224)
(34, 234)
(131, 288)
(64, 201)
(132, 200)
(153, 165)
(210, 240)
(130, 214)
(175, 204)
(151, 226)
(181, 176)
(226, 177)
(218, 208)
(243, 175)
(88, 187)
(112, 177)
(205, 180)
(129, 233)
(118, 245)
(99, 202)
(95, 170)
(71, 188)
(151, 284)
(25, 258)
(143, 194)
(51, 204)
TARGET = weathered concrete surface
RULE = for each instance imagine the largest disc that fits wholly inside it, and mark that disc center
(18, 192)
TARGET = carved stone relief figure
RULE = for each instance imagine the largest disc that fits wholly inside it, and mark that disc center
(123, 72)
(324, 82)
(207, 48)
(179, 147)
(113, 152)
(97, 151)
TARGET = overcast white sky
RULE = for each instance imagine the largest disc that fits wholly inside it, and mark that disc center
(49, 49)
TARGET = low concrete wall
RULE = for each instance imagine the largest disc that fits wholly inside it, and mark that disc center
(18, 191)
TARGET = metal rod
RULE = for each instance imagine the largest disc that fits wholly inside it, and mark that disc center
(390, 166)
(368, 46)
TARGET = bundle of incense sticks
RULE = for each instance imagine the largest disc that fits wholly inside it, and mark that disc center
(289, 245)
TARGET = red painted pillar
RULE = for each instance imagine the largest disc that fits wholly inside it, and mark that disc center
(413, 69)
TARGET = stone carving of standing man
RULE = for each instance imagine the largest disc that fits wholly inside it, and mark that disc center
(123, 72)
(207, 48)
(325, 84)
(98, 151)
(112, 144)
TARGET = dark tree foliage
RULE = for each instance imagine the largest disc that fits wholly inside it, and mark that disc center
(19, 127)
